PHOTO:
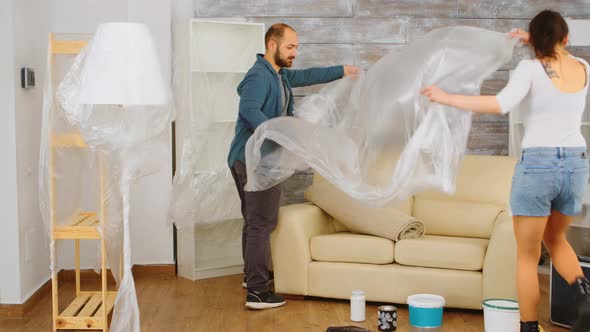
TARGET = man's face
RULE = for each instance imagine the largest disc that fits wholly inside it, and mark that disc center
(286, 49)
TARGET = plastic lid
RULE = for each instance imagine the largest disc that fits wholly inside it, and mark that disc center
(358, 292)
(426, 301)
(501, 304)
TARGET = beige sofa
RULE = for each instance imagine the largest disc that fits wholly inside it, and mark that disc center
(466, 255)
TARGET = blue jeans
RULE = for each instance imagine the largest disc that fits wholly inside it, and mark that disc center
(547, 179)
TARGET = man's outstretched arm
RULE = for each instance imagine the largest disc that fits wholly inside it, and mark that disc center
(312, 76)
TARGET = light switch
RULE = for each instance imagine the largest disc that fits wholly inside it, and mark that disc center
(27, 77)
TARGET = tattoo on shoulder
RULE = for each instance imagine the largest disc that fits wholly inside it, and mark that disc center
(550, 71)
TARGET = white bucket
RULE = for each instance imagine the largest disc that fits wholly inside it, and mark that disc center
(501, 315)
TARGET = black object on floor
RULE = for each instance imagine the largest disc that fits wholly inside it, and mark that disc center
(562, 310)
(532, 326)
(346, 329)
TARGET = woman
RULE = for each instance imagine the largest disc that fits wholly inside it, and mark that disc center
(550, 179)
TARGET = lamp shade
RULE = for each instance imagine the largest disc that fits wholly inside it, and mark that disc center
(122, 68)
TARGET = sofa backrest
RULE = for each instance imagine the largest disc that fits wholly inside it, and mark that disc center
(405, 206)
(482, 192)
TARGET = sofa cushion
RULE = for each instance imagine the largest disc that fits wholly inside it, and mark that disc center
(485, 179)
(352, 248)
(386, 221)
(319, 183)
(482, 192)
(456, 218)
(442, 252)
(403, 206)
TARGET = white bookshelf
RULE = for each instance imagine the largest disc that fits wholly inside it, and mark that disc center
(222, 109)
(225, 47)
(221, 52)
(579, 36)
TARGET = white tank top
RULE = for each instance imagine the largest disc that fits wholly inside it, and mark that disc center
(551, 118)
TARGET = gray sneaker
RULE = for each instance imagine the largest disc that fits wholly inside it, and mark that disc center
(264, 300)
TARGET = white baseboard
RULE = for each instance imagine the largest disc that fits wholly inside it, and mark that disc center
(218, 272)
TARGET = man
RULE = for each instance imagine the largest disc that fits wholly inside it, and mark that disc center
(265, 93)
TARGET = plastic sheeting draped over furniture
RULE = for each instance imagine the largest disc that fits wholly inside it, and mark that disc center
(122, 143)
(376, 137)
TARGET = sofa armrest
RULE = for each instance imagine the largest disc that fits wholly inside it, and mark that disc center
(499, 268)
(290, 245)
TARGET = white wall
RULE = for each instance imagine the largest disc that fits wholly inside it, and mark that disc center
(10, 285)
(24, 26)
(30, 50)
(83, 16)
(152, 241)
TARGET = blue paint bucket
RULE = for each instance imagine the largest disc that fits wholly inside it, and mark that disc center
(426, 310)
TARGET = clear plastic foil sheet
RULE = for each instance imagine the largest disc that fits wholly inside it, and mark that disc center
(376, 137)
(90, 156)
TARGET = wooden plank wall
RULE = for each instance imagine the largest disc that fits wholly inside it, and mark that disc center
(359, 32)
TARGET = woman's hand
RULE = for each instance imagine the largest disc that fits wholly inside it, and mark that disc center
(436, 94)
(520, 34)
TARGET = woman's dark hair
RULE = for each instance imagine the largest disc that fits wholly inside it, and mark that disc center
(547, 29)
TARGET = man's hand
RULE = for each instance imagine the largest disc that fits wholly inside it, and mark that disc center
(350, 70)
(520, 34)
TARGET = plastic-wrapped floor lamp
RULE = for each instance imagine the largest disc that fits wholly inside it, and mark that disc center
(115, 96)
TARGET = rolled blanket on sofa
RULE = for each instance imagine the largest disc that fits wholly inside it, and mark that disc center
(389, 222)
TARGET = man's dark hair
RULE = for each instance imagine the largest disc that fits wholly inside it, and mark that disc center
(276, 32)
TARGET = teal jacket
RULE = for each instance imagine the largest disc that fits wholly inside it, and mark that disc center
(260, 98)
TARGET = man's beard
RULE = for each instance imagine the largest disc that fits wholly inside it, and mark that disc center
(283, 62)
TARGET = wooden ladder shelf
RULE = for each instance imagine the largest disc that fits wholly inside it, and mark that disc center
(89, 310)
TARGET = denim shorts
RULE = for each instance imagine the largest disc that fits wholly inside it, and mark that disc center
(547, 179)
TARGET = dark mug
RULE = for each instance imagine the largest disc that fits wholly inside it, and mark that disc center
(387, 318)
